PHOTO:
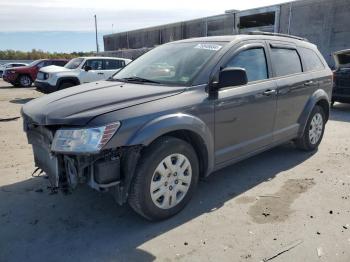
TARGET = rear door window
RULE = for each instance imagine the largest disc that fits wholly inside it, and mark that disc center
(311, 61)
(43, 64)
(113, 64)
(253, 61)
(285, 61)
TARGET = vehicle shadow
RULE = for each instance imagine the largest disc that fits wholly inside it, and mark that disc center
(21, 100)
(9, 86)
(89, 226)
(340, 112)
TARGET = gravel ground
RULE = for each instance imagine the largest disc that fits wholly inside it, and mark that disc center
(281, 200)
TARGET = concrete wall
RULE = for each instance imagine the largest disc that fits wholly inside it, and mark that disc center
(126, 53)
(323, 22)
(153, 36)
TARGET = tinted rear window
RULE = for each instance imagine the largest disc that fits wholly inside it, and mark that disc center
(311, 60)
(285, 61)
(59, 63)
(114, 64)
(344, 59)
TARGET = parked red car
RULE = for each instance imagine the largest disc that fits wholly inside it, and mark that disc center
(25, 75)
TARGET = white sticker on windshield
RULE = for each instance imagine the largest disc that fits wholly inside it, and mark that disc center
(212, 47)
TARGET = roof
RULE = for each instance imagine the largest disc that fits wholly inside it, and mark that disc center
(233, 38)
(104, 57)
(342, 52)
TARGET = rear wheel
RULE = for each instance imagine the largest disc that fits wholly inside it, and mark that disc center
(314, 130)
(165, 179)
(25, 81)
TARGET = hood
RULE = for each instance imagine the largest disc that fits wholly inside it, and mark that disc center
(342, 59)
(78, 105)
(19, 68)
(54, 69)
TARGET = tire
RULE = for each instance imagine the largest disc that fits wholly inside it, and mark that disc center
(151, 174)
(25, 81)
(65, 85)
(314, 130)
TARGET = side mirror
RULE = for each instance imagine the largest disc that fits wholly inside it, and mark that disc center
(232, 76)
(87, 68)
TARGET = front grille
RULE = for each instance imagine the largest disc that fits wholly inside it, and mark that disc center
(343, 82)
(342, 91)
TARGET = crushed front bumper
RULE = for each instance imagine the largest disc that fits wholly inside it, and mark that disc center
(109, 170)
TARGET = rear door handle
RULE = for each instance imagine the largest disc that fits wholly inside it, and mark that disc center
(100, 73)
(269, 92)
(309, 83)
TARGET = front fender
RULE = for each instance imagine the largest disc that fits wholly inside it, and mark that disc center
(174, 122)
(316, 97)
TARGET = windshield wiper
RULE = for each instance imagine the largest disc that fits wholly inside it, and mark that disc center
(139, 79)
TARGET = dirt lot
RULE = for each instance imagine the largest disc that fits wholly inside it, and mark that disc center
(282, 199)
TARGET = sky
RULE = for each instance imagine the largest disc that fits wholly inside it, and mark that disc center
(68, 25)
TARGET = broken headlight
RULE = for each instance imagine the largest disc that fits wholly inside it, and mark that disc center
(83, 140)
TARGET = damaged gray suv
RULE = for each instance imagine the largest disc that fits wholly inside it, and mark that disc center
(179, 113)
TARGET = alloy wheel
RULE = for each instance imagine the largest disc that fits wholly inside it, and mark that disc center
(25, 81)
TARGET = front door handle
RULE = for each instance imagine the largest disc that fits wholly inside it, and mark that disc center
(100, 73)
(309, 83)
(269, 92)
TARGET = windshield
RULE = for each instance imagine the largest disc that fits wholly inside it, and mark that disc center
(176, 63)
(34, 63)
(74, 63)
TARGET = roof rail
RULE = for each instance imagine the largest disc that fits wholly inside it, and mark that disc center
(277, 34)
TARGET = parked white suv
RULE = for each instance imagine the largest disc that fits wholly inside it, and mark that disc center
(78, 71)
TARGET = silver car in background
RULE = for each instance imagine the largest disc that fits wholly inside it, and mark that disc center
(10, 65)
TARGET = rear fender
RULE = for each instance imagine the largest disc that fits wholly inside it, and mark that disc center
(316, 97)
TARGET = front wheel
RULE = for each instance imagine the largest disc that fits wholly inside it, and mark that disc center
(65, 85)
(165, 179)
(25, 81)
(314, 130)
